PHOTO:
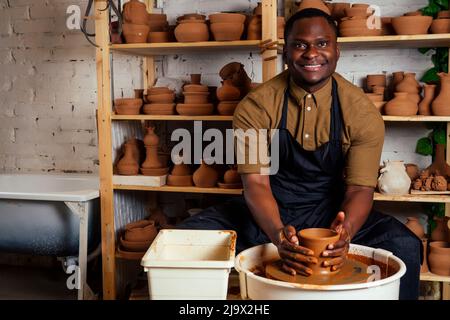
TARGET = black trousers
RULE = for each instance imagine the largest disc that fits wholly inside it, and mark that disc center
(379, 231)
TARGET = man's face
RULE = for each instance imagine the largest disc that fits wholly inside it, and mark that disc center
(311, 52)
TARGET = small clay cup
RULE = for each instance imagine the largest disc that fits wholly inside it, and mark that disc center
(317, 239)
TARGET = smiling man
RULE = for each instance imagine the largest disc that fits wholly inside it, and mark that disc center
(330, 142)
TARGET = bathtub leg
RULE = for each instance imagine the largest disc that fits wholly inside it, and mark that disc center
(81, 210)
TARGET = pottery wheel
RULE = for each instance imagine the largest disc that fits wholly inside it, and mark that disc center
(352, 272)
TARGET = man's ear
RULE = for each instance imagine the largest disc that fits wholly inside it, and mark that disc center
(338, 52)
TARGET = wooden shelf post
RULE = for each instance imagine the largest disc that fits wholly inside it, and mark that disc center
(269, 31)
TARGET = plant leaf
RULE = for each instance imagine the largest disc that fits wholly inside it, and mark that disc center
(424, 147)
(424, 50)
(442, 3)
(439, 136)
(431, 10)
(430, 76)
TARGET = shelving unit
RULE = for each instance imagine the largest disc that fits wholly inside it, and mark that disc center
(148, 51)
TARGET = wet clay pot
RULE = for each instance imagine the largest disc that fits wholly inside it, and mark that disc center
(440, 232)
(441, 106)
(228, 92)
(393, 178)
(408, 84)
(428, 96)
(401, 105)
(439, 258)
(150, 138)
(410, 25)
(135, 11)
(128, 165)
(415, 226)
(317, 239)
(317, 4)
(205, 176)
(424, 267)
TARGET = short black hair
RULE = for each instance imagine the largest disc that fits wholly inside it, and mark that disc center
(309, 13)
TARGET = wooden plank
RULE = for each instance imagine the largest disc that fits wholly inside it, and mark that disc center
(433, 277)
(149, 62)
(179, 189)
(105, 150)
(417, 118)
(418, 192)
(412, 198)
(269, 31)
(447, 206)
(141, 117)
(396, 41)
(446, 291)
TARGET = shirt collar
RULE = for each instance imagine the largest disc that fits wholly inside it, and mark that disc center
(299, 94)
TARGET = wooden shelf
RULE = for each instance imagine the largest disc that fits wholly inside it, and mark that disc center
(171, 117)
(396, 41)
(179, 189)
(412, 198)
(433, 277)
(417, 118)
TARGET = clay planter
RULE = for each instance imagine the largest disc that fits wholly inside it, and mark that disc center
(158, 36)
(393, 178)
(317, 239)
(195, 97)
(135, 11)
(441, 106)
(179, 181)
(134, 246)
(205, 176)
(190, 31)
(157, 17)
(376, 80)
(195, 109)
(441, 231)
(228, 92)
(227, 31)
(439, 258)
(318, 4)
(127, 106)
(231, 176)
(159, 108)
(415, 226)
(408, 84)
(440, 26)
(141, 234)
(234, 18)
(135, 33)
(425, 104)
(410, 25)
(401, 105)
(181, 169)
(226, 108)
(161, 98)
(128, 165)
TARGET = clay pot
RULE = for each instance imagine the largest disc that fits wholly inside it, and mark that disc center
(228, 92)
(181, 170)
(397, 77)
(134, 246)
(179, 181)
(439, 258)
(190, 31)
(428, 96)
(393, 178)
(141, 234)
(440, 26)
(415, 226)
(226, 108)
(195, 88)
(317, 4)
(195, 97)
(408, 84)
(231, 176)
(135, 33)
(376, 80)
(128, 165)
(354, 22)
(159, 108)
(161, 98)
(196, 78)
(357, 11)
(150, 138)
(445, 14)
(412, 170)
(158, 36)
(158, 90)
(138, 93)
(195, 109)
(338, 10)
(227, 31)
(254, 28)
(378, 90)
(410, 25)
(205, 176)
(152, 160)
(317, 239)
(440, 232)
(127, 106)
(401, 105)
(424, 267)
(441, 106)
(135, 11)
(234, 18)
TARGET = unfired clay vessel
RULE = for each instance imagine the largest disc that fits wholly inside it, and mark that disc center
(441, 231)
(441, 105)
(415, 226)
(228, 92)
(393, 178)
(128, 165)
(428, 96)
(205, 176)
(439, 258)
(408, 84)
(401, 105)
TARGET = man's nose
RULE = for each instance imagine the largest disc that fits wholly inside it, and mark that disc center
(311, 52)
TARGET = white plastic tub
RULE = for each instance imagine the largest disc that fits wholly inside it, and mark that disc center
(260, 288)
(190, 264)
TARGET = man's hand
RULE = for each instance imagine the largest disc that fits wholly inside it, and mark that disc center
(338, 251)
(292, 254)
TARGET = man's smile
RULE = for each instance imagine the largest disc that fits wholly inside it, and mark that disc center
(311, 67)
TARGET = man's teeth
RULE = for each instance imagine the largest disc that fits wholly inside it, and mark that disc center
(312, 65)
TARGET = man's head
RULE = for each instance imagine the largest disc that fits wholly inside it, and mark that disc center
(311, 50)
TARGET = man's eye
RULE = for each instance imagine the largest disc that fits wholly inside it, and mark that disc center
(300, 45)
(322, 44)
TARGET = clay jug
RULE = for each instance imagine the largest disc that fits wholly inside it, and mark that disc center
(397, 77)
(254, 29)
(428, 96)
(401, 105)
(152, 160)
(135, 149)
(318, 4)
(205, 176)
(439, 258)
(228, 92)
(441, 105)
(408, 84)
(128, 164)
(181, 170)
(135, 12)
(415, 226)
(317, 239)
(393, 178)
(440, 232)
(150, 138)
(424, 267)
(231, 176)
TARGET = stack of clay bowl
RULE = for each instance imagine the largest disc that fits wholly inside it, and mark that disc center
(128, 106)
(231, 179)
(406, 97)
(196, 99)
(159, 28)
(159, 101)
(412, 23)
(442, 23)
(229, 96)
(376, 86)
(135, 18)
(191, 27)
(227, 26)
(137, 239)
(355, 22)
(206, 176)
(152, 166)
(181, 175)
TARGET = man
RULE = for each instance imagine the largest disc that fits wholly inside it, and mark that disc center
(330, 142)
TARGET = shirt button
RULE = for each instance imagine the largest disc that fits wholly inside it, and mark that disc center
(308, 108)
(306, 136)
(308, 96)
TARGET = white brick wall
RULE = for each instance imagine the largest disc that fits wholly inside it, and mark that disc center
(48, 81)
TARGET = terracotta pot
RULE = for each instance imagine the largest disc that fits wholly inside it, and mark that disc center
(139, 224)
(415, 226)
(135, 33)
(231, 176)
(440, 26)
(397, 77)
(413, 13)
(233, 18)
(147, 233)
(134, 246)
(227, 31)
(428, 96)
(152, 160)
(128, 165)
(135, 11)
(440, 232)
(196, 78)
(161, 97)
(158, 26)
(195, 97)
(443, 14)
(205, 176)
(439, 258)
(414, 97)
(181, 169)
(401, 105)
(338, 10)
(410, 25)
(439, 165)
(317, 4)
(228, 92)
(317, 239)
(191, 32)
(138, 93)
(127, 106)
(180, 181)
(191, 16)
(354, 22)
(159, 108)
(424, 267)
(357, 11)
(408, 84)
(378, 90)
(413, 171)
(195, 109)
(226, 108)
(150, 138)
(376, 80)
(393, 178)
(195, 88)
(441, 106)
(158, 36)
(254, 28)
